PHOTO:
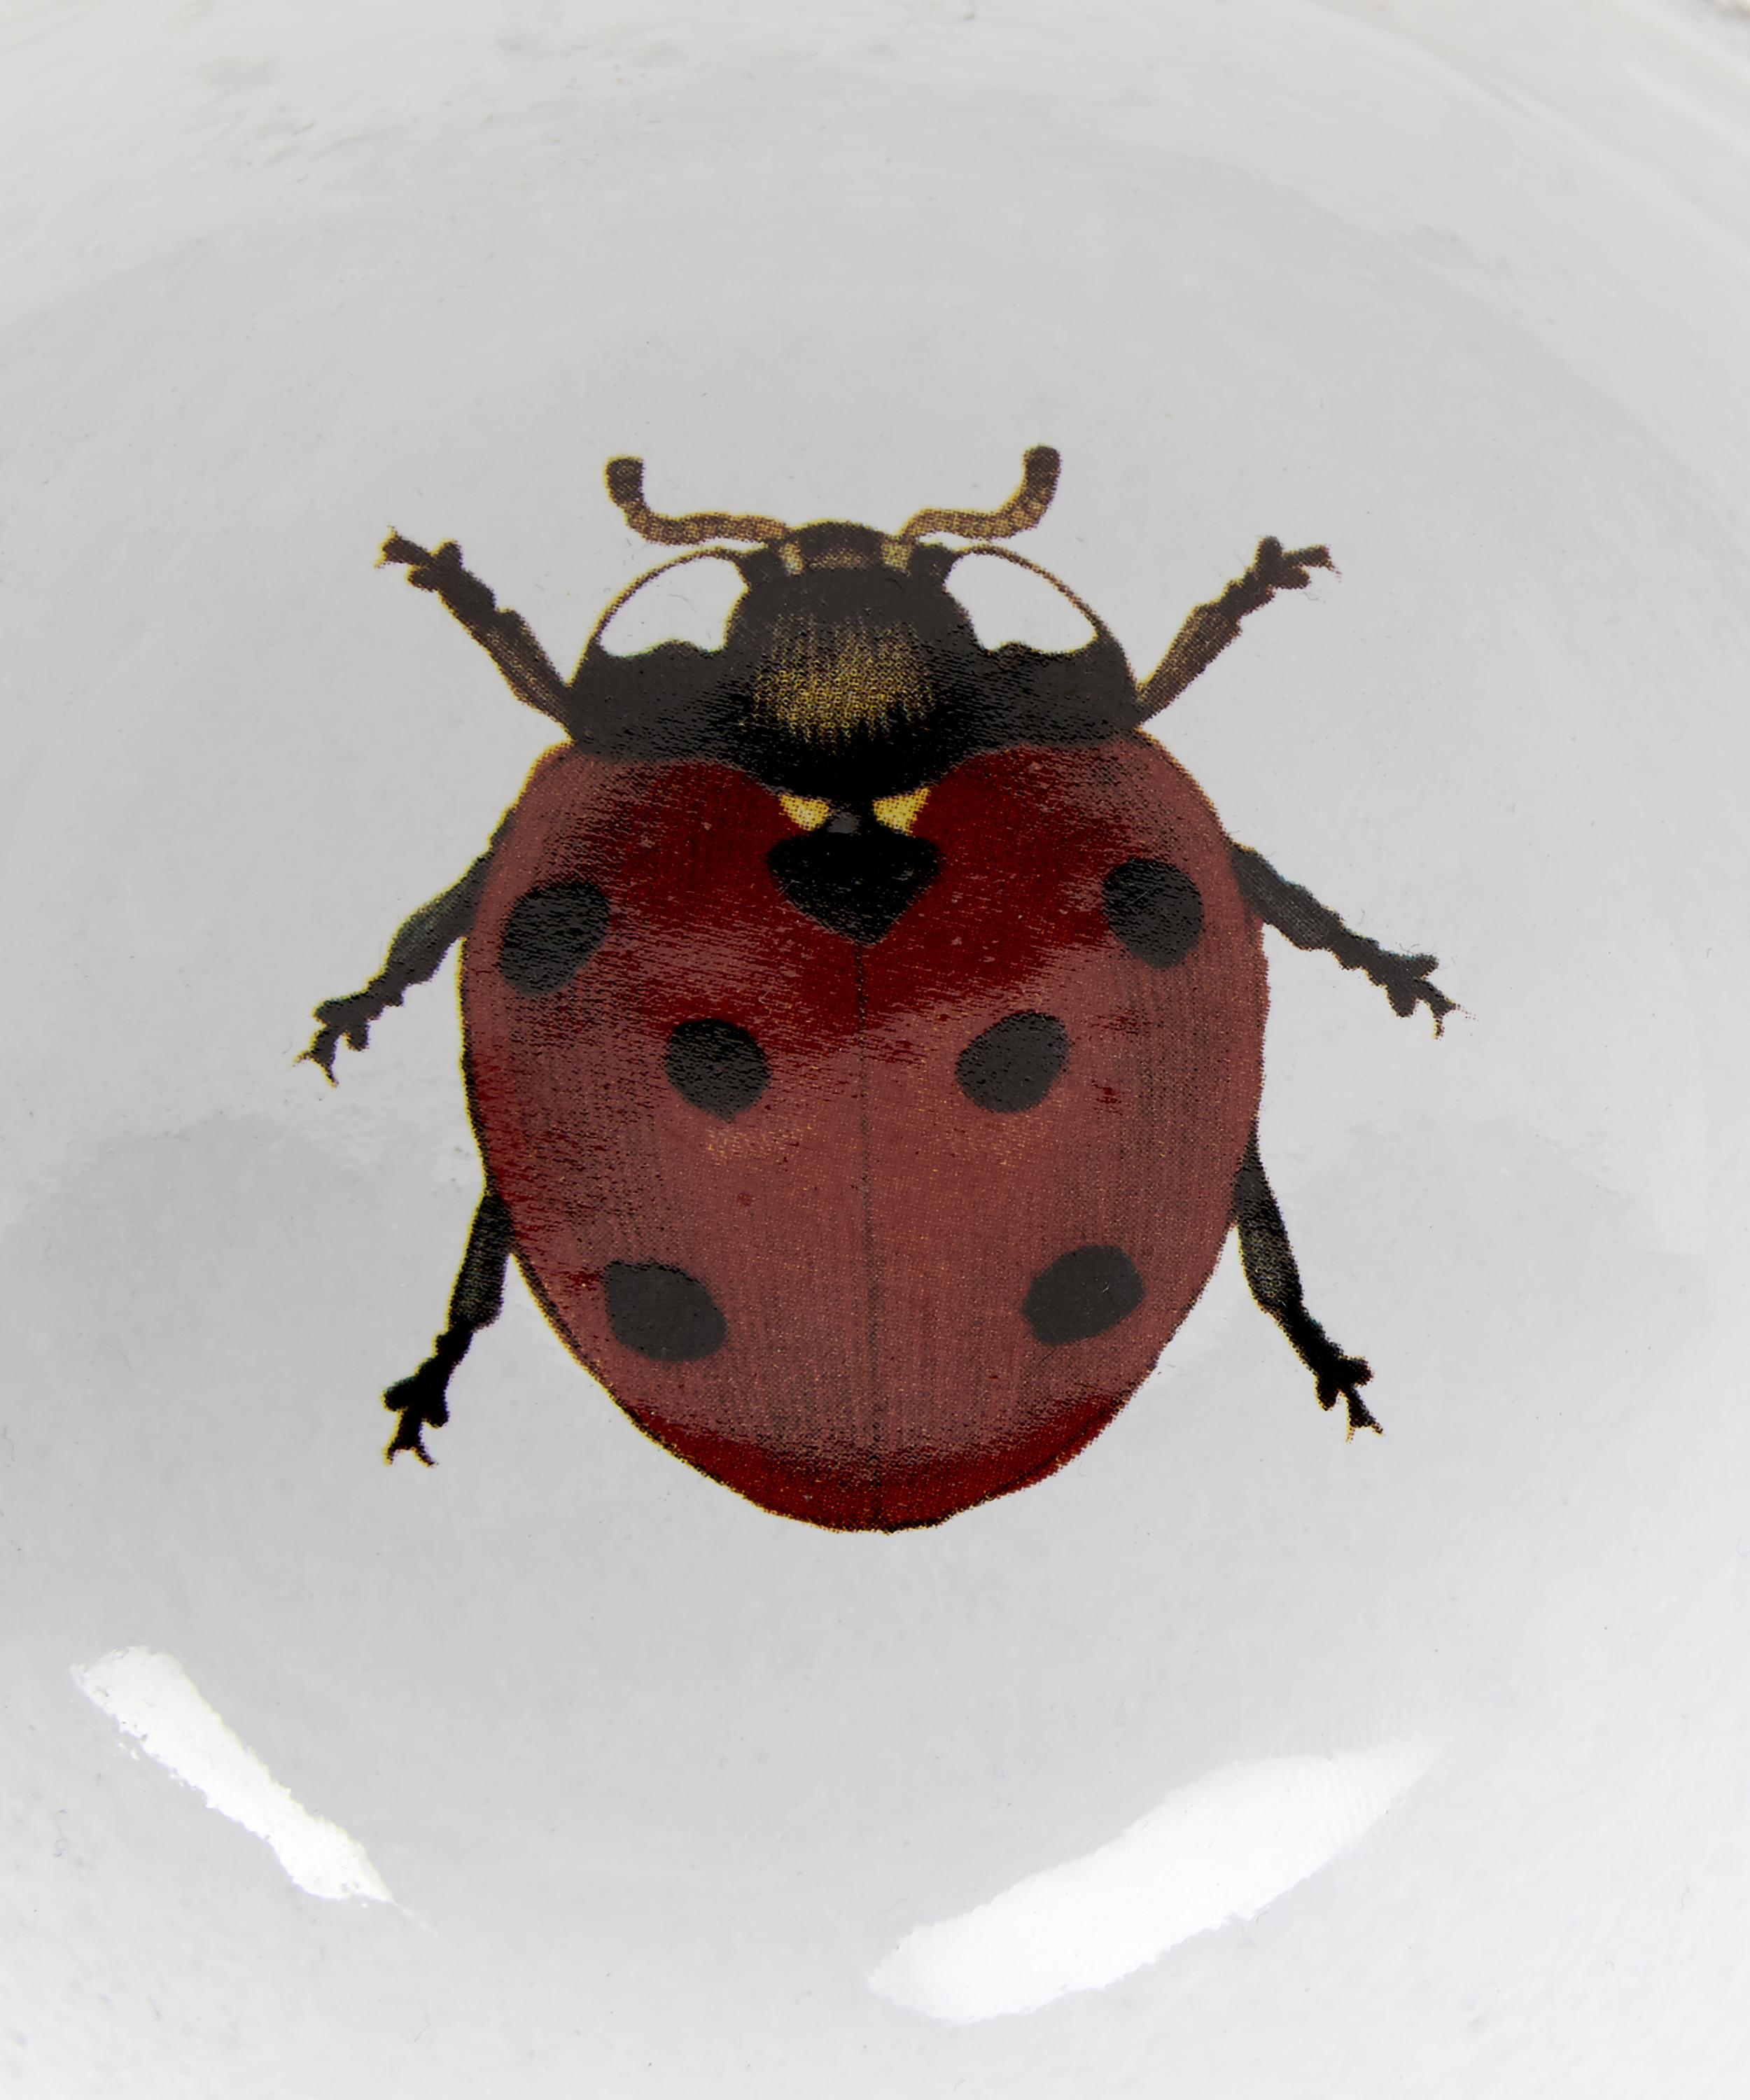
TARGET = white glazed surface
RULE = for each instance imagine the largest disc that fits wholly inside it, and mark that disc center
(1461, 287)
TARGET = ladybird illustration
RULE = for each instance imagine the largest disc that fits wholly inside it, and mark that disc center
(863, 1029)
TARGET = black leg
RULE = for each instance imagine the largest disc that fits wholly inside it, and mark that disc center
(1270, 1268)
(475, 1303)
(1298, 914)
(503, 634)
(417, 950)
(1208, 628)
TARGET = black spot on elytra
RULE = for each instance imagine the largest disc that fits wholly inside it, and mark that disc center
(716, 1066)
(550, 934)
(1082, 1293)
(1012, 1065)
(852, 875)
(1155, 911)
(662, 1312)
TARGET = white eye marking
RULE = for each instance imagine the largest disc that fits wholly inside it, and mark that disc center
(689, 603)
(1008, 603)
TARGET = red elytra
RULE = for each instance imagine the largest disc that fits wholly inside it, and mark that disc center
(867, 1232)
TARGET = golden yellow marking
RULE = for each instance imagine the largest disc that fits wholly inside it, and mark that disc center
(829, 684)
(806, 812)
(897, 554)
(791, 555)
(899, 813)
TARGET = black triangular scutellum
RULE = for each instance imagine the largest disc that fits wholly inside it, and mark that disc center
(853, 875)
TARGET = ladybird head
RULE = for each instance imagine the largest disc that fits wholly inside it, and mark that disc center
(849, 673)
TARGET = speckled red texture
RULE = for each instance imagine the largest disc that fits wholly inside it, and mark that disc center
(868, 1233)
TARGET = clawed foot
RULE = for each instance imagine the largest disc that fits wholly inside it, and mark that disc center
(1341, 1379)
(1275, 568)
(346, 1021)
(1404, 981)
(420, 1402)
(471, 600)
